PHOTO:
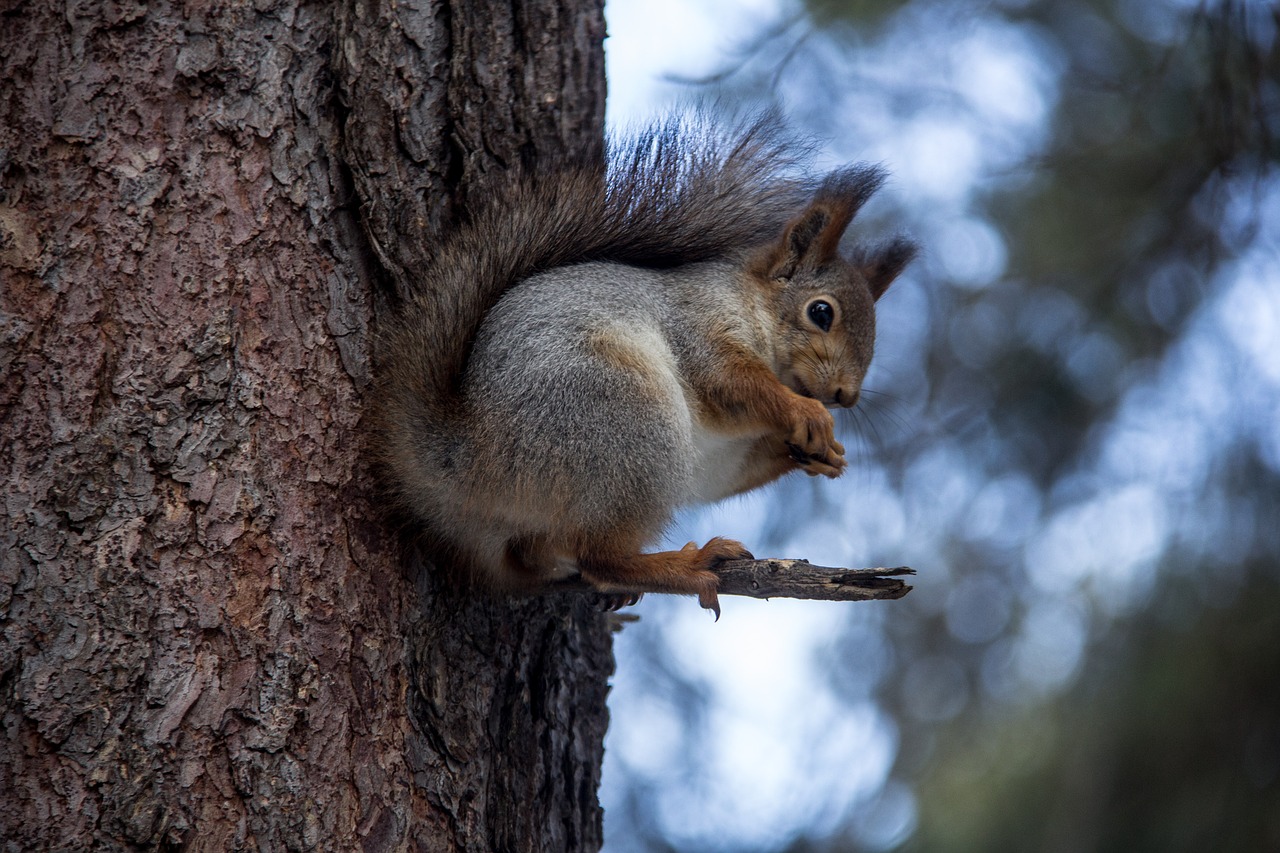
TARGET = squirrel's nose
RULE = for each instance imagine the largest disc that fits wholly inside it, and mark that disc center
(846, 397)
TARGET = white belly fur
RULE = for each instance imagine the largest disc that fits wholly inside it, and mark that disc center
(719, 462)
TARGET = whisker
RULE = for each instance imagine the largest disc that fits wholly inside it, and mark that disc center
(902, 424)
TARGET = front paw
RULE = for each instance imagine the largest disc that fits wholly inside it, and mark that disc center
(812, 441)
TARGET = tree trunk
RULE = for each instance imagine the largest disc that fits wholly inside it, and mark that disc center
(211, 637)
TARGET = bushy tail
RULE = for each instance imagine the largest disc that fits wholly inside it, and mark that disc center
(676, 193)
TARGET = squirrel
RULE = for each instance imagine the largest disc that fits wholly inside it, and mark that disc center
(605, 343)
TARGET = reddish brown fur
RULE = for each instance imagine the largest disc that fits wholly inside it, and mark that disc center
(618, 564)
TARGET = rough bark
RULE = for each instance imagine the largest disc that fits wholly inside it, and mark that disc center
(210, 637)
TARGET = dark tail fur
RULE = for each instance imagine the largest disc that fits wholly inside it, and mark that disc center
(677, 193)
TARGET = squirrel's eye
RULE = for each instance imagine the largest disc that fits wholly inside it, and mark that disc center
(821, 314)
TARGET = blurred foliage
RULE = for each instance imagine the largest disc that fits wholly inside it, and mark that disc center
(1087, 460)
(1170, 743)
(1142, 138)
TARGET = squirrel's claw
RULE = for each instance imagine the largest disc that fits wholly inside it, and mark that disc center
(719, 550)
(612, 602)
(710, 600)
(830, 465)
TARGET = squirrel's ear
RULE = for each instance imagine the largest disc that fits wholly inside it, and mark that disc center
(882, 265)
(813, 238)
(800, 243)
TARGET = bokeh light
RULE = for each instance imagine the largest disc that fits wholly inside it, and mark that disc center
(1072, 430)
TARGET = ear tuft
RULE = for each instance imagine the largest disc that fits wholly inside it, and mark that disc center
(882, 264)
(851, 188)
(812, 239)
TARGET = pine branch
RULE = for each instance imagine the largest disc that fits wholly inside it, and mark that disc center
(773, 578)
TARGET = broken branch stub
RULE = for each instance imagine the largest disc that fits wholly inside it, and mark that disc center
(775, 578)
